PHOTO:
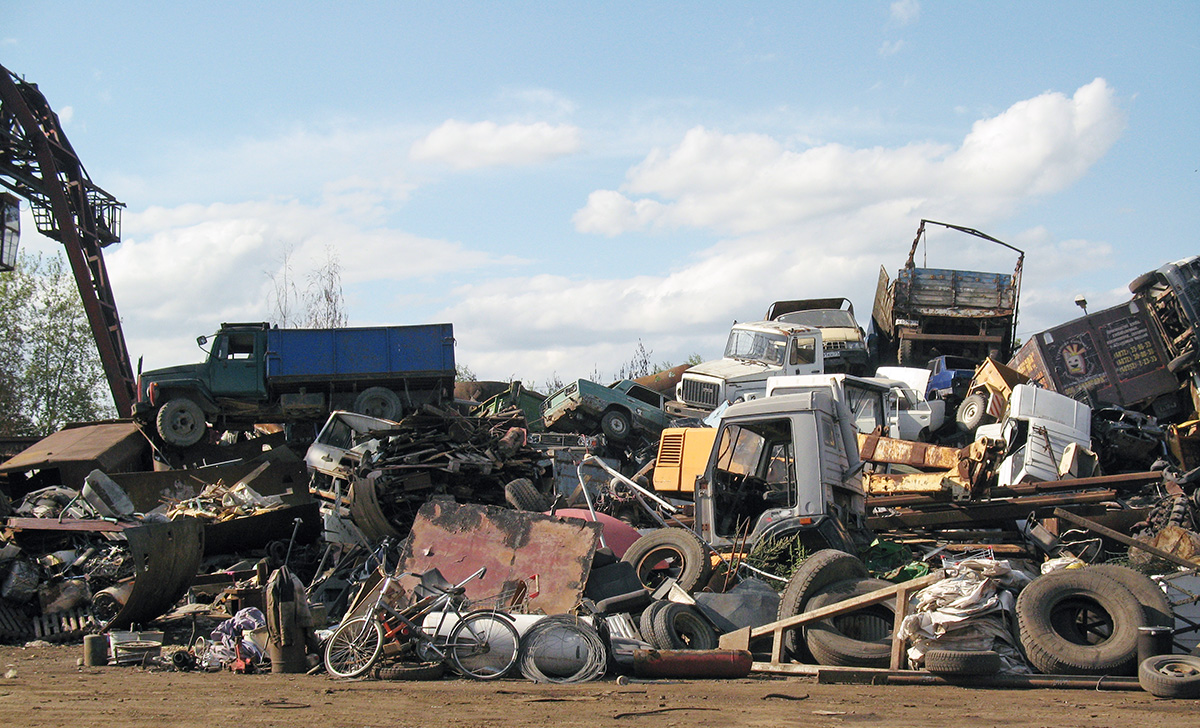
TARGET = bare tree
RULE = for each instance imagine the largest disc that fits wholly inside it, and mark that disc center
(284, 296)
(325, 305)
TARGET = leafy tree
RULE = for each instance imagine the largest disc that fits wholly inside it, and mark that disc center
(52, 371)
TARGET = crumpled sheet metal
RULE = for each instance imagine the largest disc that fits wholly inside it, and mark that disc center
(515, 546)
(166, 557)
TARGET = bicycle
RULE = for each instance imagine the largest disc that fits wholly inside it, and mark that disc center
(482, 644)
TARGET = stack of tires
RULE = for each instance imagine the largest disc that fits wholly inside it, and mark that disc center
(1086, 621)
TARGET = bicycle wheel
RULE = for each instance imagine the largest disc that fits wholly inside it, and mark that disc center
(354, 647)
(484, 645)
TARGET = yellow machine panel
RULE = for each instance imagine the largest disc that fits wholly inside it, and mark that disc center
(682, 455)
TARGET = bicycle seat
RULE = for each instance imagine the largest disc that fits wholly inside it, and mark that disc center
(434, 584)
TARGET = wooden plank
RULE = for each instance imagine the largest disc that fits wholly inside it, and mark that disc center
(1122, 538)
(776, 629)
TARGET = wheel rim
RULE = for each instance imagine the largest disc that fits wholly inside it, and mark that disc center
(485, 646)
(352, 650)
(659, 565)
(1177, 669)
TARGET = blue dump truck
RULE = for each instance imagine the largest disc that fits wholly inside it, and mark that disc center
(255, 373)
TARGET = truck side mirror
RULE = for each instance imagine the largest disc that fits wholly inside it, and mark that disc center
(201, 340)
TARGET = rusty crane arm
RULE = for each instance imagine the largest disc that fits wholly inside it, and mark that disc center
(38, 163)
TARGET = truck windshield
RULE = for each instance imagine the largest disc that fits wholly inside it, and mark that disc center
(756, 346)
(821, 318)
(755, 470)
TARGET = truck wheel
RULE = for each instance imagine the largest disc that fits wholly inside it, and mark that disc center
(905, 355)
(1181, 362)
(615, 424)
(379, 402)
(670, 552)
(1142, 281)
(972, 413)
(963, 662)
(181, 422)
(1170, 676)
(817, 572)
(1079, 622)
(862, 638)
(523, 495)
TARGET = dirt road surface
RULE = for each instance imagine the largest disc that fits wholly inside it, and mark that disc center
(43, 686)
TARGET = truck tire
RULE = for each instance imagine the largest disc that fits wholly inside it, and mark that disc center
(972, 413)
(1170, 676)
(670, 552)
(1155, 604)
(646, 623)
(862, 638)
(962, 662)
(1143, 281)
(817, 572)
(905, 354)
(616, 425)
(680, 627)
(1181, 362)
(379, 402)
(523, 495)
(1079, 622)
(180, 422)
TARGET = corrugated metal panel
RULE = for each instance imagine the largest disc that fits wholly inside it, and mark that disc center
(360, 351)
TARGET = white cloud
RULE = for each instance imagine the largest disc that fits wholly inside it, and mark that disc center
(905, 11)
(487, 144)
(810, 222)
(891, 48)
(65, 114)
(746, 183)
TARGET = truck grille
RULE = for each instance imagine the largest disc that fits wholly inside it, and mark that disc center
(835, 345)
(702, 394)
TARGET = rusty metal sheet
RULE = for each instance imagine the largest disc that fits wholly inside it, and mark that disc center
(457, 539)
(77, 450)
(252, 532)
(928, 484)
(165, 557)
(875, 449)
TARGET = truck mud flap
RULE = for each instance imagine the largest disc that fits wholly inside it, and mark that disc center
(165, 557)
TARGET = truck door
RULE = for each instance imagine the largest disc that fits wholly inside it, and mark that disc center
(236, 365)
(803, 356)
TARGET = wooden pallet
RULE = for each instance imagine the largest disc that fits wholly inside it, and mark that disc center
(62, 626)
(13, 623)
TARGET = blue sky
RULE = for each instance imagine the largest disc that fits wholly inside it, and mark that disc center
(562, 180)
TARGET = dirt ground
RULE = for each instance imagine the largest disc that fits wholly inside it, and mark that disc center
(44, 686)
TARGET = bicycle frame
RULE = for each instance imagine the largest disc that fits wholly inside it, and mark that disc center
(409, 621)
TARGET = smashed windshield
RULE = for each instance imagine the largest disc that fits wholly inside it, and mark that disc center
(756, 345)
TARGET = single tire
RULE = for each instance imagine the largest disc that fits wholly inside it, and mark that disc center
(1181, 362)
(1170, 676)
(412, 671)
(484, 645)
(646, 623)
(962, 662)
(180, 422)
(379, 402)
(1155, 604)
(1079, 622)
(972, 412)
(818, 571)
(616, 425)
(670, 552)
(523, 495)
(680, 627)
(862, 638)
(353, 648)
(1143, 281)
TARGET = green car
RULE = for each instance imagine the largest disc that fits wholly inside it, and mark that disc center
(620, 409)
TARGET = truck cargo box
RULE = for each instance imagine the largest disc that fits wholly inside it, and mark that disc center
(1116, 354)
(333, 354)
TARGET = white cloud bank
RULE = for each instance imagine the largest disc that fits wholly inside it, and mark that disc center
(796, 223)
(487, 144)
